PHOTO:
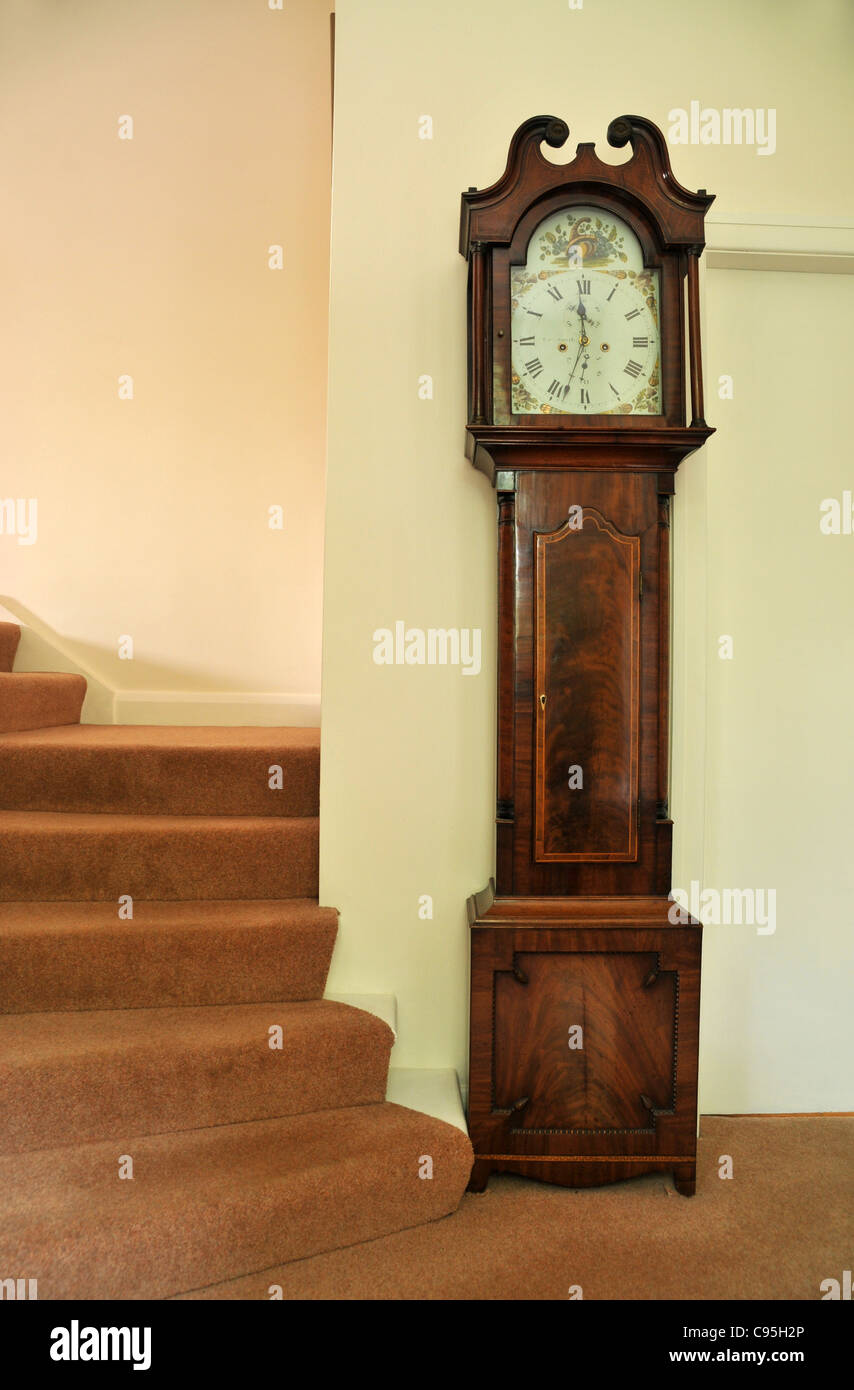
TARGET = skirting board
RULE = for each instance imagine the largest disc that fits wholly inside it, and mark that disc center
(231, 707)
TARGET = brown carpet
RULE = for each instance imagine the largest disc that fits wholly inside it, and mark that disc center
(208, 1203)
(31, 700)
(10, 636)
(81, 956)
(149, 1071)
(68, 856)
(157, 770)
(776, 1230)
(148, 1036)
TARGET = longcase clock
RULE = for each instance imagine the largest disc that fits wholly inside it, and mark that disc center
(584, 351)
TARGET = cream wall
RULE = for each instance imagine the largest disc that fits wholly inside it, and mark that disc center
(150, 257)
(408, 752)
(777, 1022)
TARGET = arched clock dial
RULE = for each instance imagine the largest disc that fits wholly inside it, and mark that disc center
(585, 320)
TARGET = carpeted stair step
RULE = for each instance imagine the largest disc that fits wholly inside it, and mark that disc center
(80, 955)
(39, 699)
(51, 856)
(10, 636)
(157, 770)
(209, 1205)
(152, 1071)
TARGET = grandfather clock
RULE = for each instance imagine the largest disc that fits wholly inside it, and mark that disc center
(584, 994)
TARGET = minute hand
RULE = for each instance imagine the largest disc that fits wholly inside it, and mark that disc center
(574, 365)
(582, 344)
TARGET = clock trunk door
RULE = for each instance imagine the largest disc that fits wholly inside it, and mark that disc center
(591, 556)
(587, 683)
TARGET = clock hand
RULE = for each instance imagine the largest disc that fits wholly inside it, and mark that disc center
(583, 340)
(582, 378)
(581, 346)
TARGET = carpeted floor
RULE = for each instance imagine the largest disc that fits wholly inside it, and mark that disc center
(783, 1223)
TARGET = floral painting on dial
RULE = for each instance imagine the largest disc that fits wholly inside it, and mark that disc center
(577, 344)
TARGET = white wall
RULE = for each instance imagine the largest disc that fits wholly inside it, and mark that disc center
(149, 257)
(408, 753)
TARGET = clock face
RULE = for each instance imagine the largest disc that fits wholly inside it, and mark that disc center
(585, 320)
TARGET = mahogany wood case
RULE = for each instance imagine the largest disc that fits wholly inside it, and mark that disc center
(584, 994)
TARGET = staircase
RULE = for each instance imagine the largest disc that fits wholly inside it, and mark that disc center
(179, 1106)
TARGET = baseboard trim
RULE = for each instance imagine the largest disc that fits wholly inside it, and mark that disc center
(779, 1115)
(42, 649)
(211, 707)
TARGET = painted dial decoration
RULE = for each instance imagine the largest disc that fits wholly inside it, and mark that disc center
(585, 320)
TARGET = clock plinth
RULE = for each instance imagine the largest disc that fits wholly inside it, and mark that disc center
(584, 1039)
(585, 985)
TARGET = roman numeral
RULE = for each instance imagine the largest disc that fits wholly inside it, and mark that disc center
(633, 368)
(583, 286)
(611, 295)
(533, 313)
(615, 391)
(535, 366)
(585, 397)
(640, 342)
(633, 313)
(554, 389)
(529, 342)
(555, 292)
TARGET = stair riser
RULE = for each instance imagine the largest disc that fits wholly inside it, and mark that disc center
(35, 700)
(10, 636)
(146, 1252)
(180, 782)
(276, 859)
(129, 966)
(148, 1089)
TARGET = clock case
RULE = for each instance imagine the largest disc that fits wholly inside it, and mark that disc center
(573, 933)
